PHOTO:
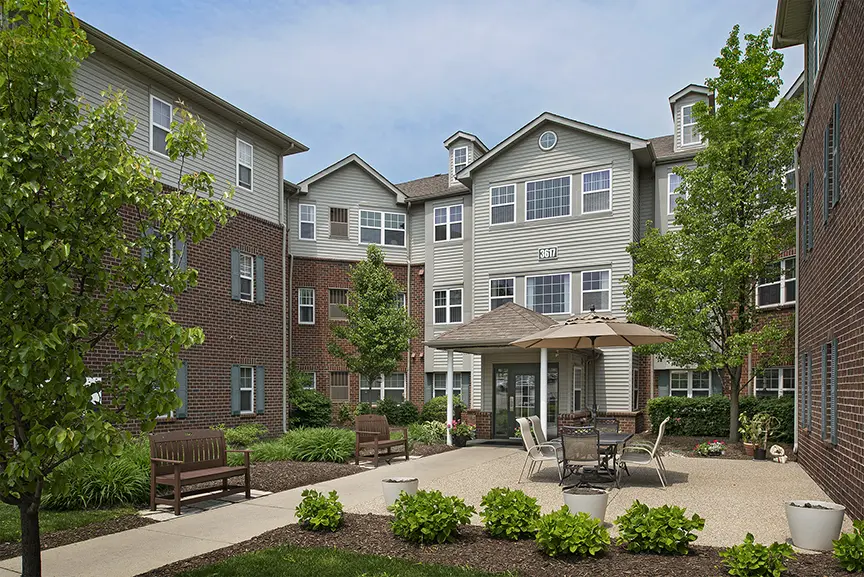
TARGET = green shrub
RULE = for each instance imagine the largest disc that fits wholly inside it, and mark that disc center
(561, 533)
(388, 408)
(323, 444)
(407, 414)
(242, 435)
(435, 409)
(429, 517)
(509, 514)
(751, 559)
(318, 512)
(310, 409)
(663, 529)
(849, 548)
(363, 409)
(429, 433)
(709, 416)
(346, 415)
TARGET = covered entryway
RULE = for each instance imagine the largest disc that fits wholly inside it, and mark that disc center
(517, 394)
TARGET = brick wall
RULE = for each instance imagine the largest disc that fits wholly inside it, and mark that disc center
(830, 296)
(235, 332)
(481, 419)
(309, 347)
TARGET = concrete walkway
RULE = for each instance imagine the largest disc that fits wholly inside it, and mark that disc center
(139, 550)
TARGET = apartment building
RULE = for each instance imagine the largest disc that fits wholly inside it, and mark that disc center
(830, 344)
(237, 375)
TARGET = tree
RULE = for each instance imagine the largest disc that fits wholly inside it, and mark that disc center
(85, 230)
(738, 215)
(379, 329)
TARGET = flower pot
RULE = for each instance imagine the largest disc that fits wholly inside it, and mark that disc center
(748, 448)
(814, 524)
(393, 488)
(460, 441)
(759, 454)
(587, 500)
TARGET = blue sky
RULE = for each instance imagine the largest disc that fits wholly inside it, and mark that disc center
(391, 79)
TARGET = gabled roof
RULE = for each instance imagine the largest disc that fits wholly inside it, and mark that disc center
(633, 141)
(186, 88)
(689, 89)
(497, 328)
(797, 88)
(352, 159)
(429, 187)
(791, 22)
(467, 136)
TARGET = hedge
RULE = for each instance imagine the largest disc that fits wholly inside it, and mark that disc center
(709, 416)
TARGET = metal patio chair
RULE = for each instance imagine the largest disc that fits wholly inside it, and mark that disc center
(580, 450)
(537, 453)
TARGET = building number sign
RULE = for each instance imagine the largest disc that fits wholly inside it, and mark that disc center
(548, 253)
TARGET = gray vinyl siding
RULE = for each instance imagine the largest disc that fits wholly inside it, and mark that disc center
(353, 188)
(663, 220)
(459, 143)
(99, 73)
(585, 242)
(685, 101)
(647, 201)
(635, 206)
(417, 229)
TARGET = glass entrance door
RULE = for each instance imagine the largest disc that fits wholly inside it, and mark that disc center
(517, 394)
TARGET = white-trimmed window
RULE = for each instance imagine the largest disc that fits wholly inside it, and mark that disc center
(307, 221)
(401, 300)
(247, 390)
(377, 225)
(547, 140)
(390, 387)
(161, 113)
(447, 304)
(674, 195)
(690, 384)
(306, 306)
(448, 222)
(338, 299)
(775, 382)
(310, 383)
(548, 294)
(689, 132)
(578, 380)
(596, 290)
(503, 203)
(547, 198)
(247, 277)
(461, 382)
(460, 159)
(501, 291)
(244, 164)
(778, 286)
(596, 191)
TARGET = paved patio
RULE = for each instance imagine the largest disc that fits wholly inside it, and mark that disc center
(733, 496)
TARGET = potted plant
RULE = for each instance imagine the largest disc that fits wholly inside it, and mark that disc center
(814, 525)
(766, 423)
(394, 486)
(751, 431)
(461, 432)
(714, 448)
(591, 500)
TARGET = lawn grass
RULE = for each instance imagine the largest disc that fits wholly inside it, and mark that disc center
(296, 562)
(50, 521)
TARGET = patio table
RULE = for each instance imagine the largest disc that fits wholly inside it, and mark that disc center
(611, 441)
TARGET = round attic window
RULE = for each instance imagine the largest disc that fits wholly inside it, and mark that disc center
(548, 140)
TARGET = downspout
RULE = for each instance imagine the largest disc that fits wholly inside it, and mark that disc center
(408, 301)
(284, 222)
(799, 393)
(289, 307)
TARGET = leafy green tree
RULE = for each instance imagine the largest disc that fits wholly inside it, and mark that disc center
(738, 215)
(379, 329)
(85, 234)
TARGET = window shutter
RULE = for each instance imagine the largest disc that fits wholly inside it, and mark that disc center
(810, 212)
(834, 371)
(235, 389)
(836, 197)
(824, 387)
(182, 390)
(145, 252)
(663, 384)
(809, 390)
(259, 389)
(180, 253)
(235, 274)
(466, 389)
(259, 280)
(802, 395)
(427, 388)
(825, 192)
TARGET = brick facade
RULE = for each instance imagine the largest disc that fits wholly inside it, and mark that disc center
(309, 342)
(235, 332)
(830, 301)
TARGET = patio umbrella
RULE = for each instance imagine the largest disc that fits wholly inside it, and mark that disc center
(592, 331)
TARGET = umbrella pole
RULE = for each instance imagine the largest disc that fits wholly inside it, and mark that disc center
(593, 380)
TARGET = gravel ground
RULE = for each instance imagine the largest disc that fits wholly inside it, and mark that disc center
(60, 538)
(684, 446)
(371, 534)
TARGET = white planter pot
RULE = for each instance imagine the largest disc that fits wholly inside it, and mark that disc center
(593, 501)
(814, 528)
(393, 488)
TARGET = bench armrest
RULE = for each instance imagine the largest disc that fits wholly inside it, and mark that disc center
(169, 461)
(376, 433)
(238, 450)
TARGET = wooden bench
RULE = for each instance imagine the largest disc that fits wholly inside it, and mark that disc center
(373, 432)
(182, 458)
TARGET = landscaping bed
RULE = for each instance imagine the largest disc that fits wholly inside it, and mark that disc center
(278, 476)
(371, 534)
(683, 445)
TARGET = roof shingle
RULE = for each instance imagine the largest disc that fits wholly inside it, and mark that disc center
(430, 187)
(498, 327)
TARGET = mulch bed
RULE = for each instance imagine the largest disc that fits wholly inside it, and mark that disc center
(371, 534)
(421, 450)
(684, 446)
(283, 475)
(67, 536)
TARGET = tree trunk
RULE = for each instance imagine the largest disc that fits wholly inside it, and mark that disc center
(734, 394)
(31, 546)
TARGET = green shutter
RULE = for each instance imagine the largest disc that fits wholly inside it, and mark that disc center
(824, 387)
(825, 192)
(810, 212)
(802, 391)
(235, 389)
(235, 274)
(836, 197)
(180, 253)
(183, 390)
(662, 383)
(259, 389)
(834, 371)
(259, 280)
(809, 390)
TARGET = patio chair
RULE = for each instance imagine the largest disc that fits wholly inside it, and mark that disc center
(537, 453)
(539, 435)
(580, 449)
(607, 424)
(645, 454)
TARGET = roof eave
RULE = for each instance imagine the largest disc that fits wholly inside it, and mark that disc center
(784, 35)
(303, 186)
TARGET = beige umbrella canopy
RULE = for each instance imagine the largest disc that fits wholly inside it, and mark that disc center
(591, 331)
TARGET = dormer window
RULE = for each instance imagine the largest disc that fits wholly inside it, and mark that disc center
(689, 133)
(460, 159)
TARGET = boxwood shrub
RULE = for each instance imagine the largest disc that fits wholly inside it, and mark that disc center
(435, 409)
(709, 416)
(310, 409)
